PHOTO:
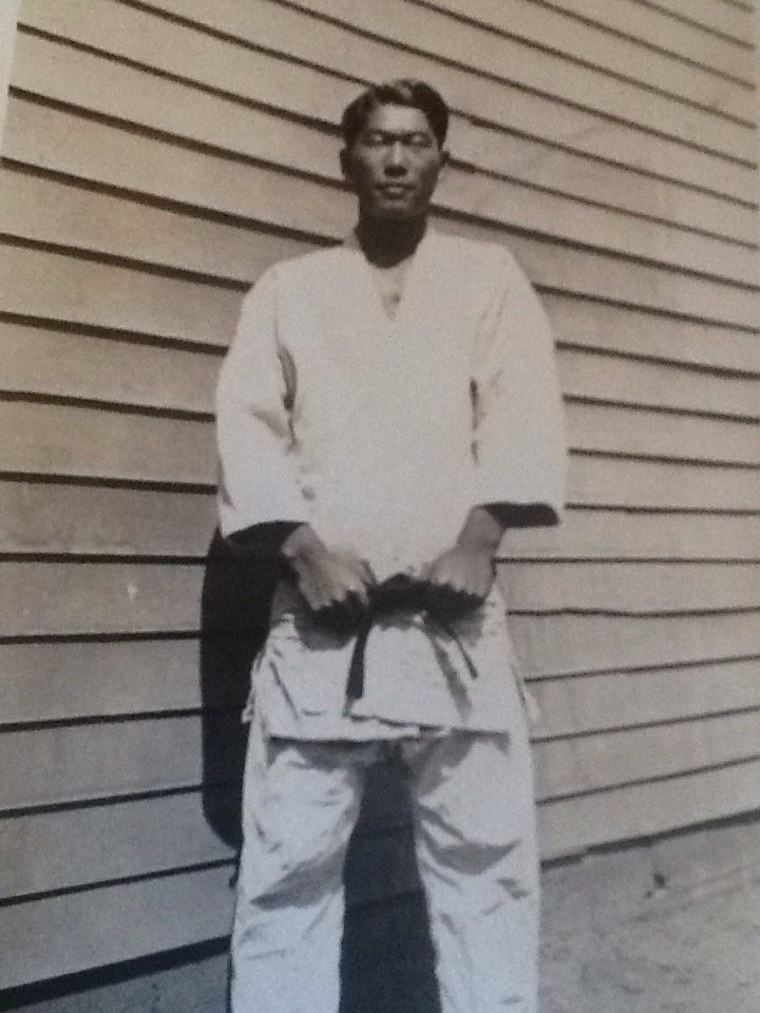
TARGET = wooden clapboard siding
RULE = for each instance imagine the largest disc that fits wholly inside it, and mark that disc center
(109, 843)
(158, 156)
(600, 818)
(573, 706)
(648, 335)
(342, 51)
(564, 644)
(374, 45)
(512, 204)
(715, 38)
(82, 290)
(501, 58)
(69, 364)
(81, 762)
(45, 682)
(60, 440)
(617, 535)
(661, 485)
(87, 520)
(547, 26)
(197, 61)
(189, 906)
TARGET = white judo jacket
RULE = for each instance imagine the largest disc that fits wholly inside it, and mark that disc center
(382, 434)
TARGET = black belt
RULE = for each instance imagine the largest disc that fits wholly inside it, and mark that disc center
(438, 607)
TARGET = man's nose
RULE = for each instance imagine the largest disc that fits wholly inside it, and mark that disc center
(395, 162)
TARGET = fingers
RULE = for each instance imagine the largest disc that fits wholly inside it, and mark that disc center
(335, 583)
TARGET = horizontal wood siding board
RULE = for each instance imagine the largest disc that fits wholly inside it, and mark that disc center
(713, 39)
(590, 703)
(593, 427)
(57, 519)
(661, 485)
(645, 63)
(54, 682)
(84, 762)
(99, 598)
(567, 644)
(61, 364)
(113, 923)
(62, 519)
(78, 847)
(327, 47)
(730, 18)
(575, 86)
(636, 588)
(666, 435)
(235, 72)
(199, 116)
(59, 440)
(83, 291)
(574, 825)
(613, 759)
(625, 381)
(110, 598)
(580, 322)
(612, 534)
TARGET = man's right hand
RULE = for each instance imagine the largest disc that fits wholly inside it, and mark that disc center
(333, 583)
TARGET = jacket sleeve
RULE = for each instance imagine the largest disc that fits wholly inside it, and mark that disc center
(518, 440)
(257, 453)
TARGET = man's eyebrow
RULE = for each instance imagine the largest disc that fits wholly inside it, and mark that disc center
(401, 135)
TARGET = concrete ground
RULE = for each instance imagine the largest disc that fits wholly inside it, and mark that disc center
(670, 926)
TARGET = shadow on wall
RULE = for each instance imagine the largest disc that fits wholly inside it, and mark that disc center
(387, 961)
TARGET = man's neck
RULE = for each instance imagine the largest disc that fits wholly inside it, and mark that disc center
(388, 243)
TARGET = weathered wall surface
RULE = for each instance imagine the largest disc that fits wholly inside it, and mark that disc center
(157, 156)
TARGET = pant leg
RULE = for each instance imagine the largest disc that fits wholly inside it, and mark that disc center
(474, 811)
(301, 801)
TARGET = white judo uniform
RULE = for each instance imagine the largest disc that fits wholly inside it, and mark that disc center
(383, 434)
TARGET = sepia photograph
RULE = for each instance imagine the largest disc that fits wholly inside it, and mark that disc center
(379, 506)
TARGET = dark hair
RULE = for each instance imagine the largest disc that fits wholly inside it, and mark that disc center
(404, 91)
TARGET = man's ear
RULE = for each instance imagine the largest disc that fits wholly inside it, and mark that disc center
(345, 164)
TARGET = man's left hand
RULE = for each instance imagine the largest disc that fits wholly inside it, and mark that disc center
(460, 578)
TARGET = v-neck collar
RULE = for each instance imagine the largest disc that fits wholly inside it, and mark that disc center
(389, 322)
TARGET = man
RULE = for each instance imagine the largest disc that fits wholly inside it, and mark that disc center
(387, 409)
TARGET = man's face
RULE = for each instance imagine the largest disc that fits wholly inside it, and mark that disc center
(394, 163)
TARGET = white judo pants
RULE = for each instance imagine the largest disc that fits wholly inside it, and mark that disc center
(474, 817)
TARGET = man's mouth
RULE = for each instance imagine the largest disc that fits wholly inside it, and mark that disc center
(395, 189)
